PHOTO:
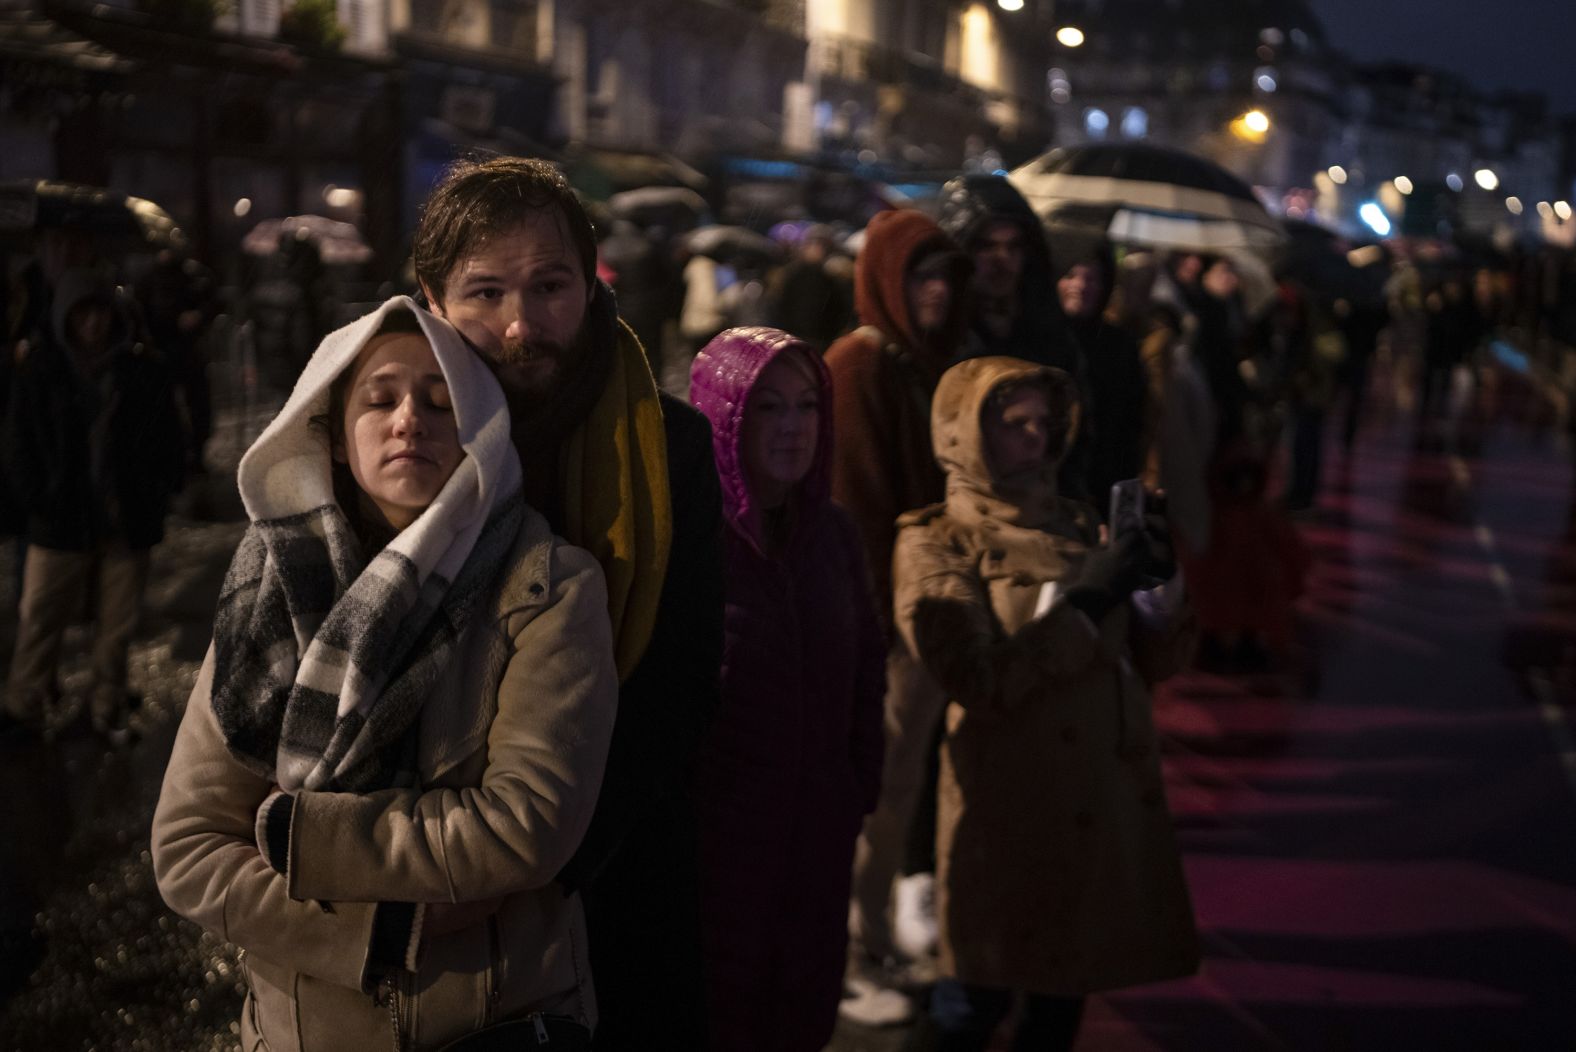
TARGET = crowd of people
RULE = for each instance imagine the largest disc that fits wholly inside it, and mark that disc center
(546, 705)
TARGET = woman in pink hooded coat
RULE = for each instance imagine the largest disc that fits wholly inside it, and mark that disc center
(793, 762)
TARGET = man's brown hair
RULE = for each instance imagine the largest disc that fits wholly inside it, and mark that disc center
(477, 200)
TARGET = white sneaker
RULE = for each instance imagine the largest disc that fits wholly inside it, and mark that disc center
(869, 1003)
(914, 916)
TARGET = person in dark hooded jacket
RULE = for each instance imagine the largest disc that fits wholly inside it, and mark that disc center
(93, 450)
(910, 291)
(1114, 386)
(1011, 312)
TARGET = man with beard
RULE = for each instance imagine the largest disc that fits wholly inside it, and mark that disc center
(909, 285)
(1116, 416)
(1010, 311)
(505, 252)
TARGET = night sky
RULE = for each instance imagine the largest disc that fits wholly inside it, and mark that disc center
(1521, 44)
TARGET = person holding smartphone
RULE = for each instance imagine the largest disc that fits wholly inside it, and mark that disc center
(1058, 868)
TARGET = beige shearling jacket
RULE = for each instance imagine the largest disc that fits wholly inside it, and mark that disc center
(511, 758)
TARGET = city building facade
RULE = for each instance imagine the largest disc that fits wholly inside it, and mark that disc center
(224, 112)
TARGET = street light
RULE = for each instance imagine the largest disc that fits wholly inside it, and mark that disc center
(1070, 36)
(1486, 178)
(1514, 205)
(1562, 209)
(1010, 5)
(1403, 184)
(1371, 214)
(1337, 174)
(1545, 210)
(1454, 181)
(1251, 126)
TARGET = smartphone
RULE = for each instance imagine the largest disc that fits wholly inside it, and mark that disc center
(1127, 509)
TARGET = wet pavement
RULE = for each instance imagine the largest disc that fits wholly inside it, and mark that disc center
(1381, 842)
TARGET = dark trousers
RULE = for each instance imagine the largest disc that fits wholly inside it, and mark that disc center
(963, 1018)
(1356, 394)
(1307, 454)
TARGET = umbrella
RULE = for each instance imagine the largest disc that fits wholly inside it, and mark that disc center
(30, 205)
(670, 206)
(1320, 259)
(1149, 195)
(336, 242)
(729, 242)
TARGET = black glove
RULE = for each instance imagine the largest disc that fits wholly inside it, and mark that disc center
(1109, 574)
(1161, 553)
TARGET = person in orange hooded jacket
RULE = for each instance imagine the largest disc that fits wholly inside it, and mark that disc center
(910, 284)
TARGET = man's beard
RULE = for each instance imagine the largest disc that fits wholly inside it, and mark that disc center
(546, 411)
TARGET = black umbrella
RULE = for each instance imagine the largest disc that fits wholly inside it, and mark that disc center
(1321, 260)
(1150, 195)
(674, 207)
(733, 243)
(30, 205)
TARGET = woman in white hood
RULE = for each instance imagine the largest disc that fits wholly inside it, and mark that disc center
(398, 735)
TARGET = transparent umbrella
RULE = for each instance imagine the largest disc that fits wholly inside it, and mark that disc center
(335, 241)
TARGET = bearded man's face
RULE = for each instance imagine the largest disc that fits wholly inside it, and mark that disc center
(520, 299)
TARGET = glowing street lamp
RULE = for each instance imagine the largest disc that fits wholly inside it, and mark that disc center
(1403, 184)
(1545, 210)
(1486, 178)
(1337, 174)
(1372, 215)
(1010, 5)
(1513, 205)
(1563, 210)
(1251, 126)
(1070, 36)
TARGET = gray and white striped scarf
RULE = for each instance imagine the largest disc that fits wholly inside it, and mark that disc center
(324, 659)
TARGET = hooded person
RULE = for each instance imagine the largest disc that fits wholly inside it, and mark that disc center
(1113, 384)
(92, 452)
(1059, 873)
(910, 291)
(1010, 313)
(792, 763)
(397, 737)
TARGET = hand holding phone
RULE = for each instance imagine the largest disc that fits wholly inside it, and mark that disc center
(1127, 509)
(1134, 514)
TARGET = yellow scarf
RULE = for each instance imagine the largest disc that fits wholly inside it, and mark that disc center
(616, 500)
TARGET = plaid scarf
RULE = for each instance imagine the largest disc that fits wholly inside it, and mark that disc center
(323, 659)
